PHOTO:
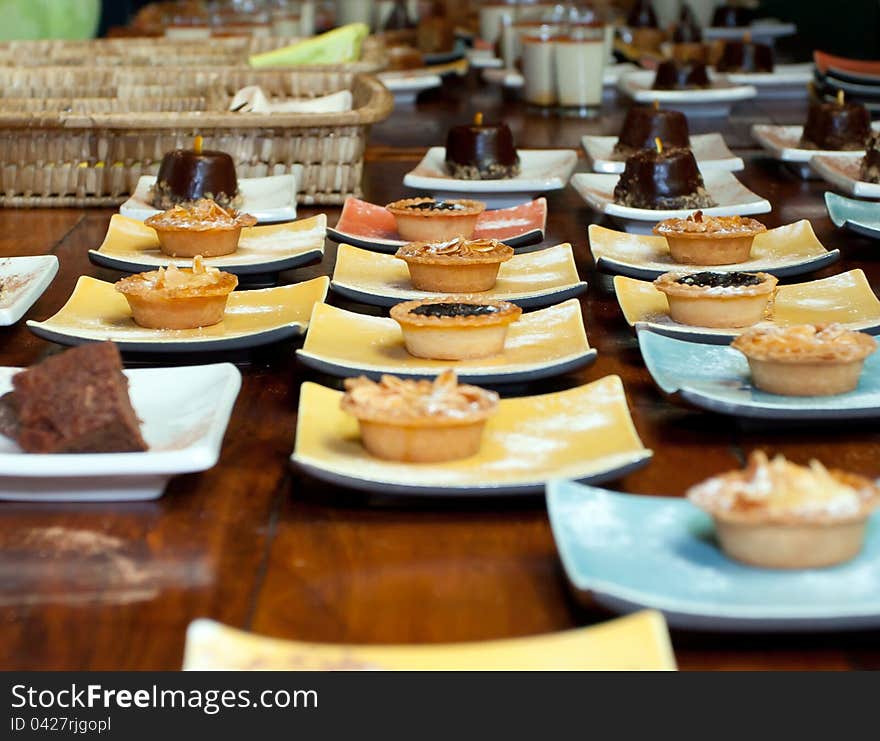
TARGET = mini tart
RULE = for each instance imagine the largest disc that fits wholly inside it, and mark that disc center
(199, 228)
(427, 220)
(806, 359)
(170, 298)
(717, 299)
(710, 240)
(455, 328)
(457, 266)
(419, 421)
(779, 515)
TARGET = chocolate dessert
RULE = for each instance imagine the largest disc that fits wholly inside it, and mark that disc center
(479, 151)
(74, 402)
(187, 175)
(687, 30)
(745, 56)
(642, 15)
(731, 16)
(837, 125)
(644, 124)
(661, 180)
(870, 168)
(673, 74)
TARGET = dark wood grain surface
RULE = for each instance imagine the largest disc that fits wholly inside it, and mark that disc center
(255, 545)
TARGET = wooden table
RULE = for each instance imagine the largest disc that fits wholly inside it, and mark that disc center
(254, 545)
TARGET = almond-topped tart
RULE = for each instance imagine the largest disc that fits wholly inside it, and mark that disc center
(710, 240)
(708, 299)
(455, 328)
(174, 298)
(456, 266)
(202, 228)
(419, 421)
(805, 359)
(779, 515)
(427, 220)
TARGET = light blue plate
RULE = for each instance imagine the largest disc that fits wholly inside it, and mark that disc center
(634, 552)
(717, 378)
(861, 217)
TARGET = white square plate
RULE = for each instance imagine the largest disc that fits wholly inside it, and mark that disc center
(710, 151)
(22, 282)
(762, 32)
(785, 81)
(732, 197)
(184, 412)
(842, 171)
(714, 101)
(407, 85)
(269, 199)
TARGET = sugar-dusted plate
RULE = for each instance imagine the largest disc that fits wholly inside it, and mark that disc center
(633, 552)
(531, 279)
(717, 378)
(269, 199)
(183, 411)
(788, 250)
(370, 226)
(710, 151)
(22, 282)
(845, 298)
(783, 144)
(542, 170)
(842, 171)
(732, 197)
(95, 311)
(133, 247)
(714, 101)
(633, 643)
(583, 433)
(862, 217)
(541, 344)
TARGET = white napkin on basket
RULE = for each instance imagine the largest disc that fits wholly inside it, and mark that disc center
(252, 99)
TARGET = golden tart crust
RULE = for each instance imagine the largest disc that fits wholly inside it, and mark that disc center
(455, 266)
(698, 225)
(418, 221)
(710, 240)
(200, 228)
(697, 302)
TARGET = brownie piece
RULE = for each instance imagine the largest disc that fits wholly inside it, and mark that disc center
(77, 402)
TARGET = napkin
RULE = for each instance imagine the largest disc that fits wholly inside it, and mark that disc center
(252, 99)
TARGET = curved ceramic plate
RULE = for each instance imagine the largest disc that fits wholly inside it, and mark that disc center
(22, 282)
(714, 101)
(783, 144)
(867, 71)
(544, 343)
(633, 552)
(370, 226)
(184, 413)
(133, 247)
(637, 642)
(406, 87)
(95, 312)
(845, 298)
(842, 171)
(862, 217)
(717, 378)
(732, 197)
(710, 150)
(530, 280)
(269, 199)
(763, 32)
(583, 433)
(788, 250)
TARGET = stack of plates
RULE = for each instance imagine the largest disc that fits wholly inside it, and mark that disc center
(859, 80)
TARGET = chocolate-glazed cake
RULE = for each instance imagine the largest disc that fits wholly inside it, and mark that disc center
(186, 175)
(642, 15)
(836, 126)
(731, 16)
(687, 38)
(479, 151)
(644, 124)
(745, 56)
(676, 75)
(667, 179)
(870, 169)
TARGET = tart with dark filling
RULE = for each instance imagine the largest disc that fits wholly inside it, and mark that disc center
(481, 151)
(779, 515)
(455, 328)
(199, 228)
(836, 126)
(710, 240)
(427, 220)
(456, 266)
(708, 299)
(805, 359)
(662, 180)
(674, 74)
(643, 125)
(419, 421)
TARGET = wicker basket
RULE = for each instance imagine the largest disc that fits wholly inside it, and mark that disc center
(82, 156)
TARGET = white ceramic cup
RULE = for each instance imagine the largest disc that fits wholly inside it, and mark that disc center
(354, 11)
(491, 20)
(539, 70)
(580, 68)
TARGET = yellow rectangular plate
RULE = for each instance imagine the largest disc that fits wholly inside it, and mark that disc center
(788, 250)
(638, 642)
(95, 311)
(133, 247)
(544, 343)
(530, 280)
(846, 298)
(584, 433)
